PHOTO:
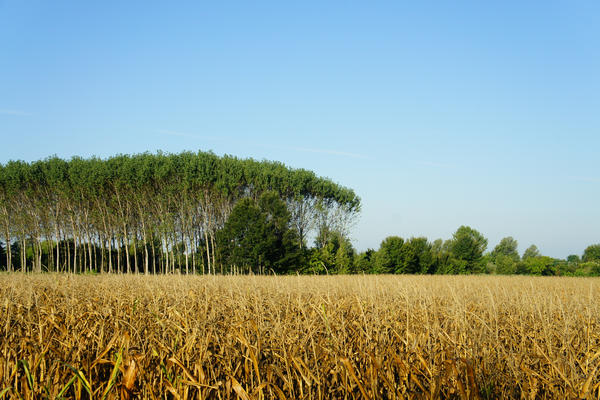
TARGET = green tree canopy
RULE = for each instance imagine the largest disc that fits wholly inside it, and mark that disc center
(508, 248)
(157, 211)
(531, 251)
(256, 237)
(365, 261)
(389, 256)
(592, 253)
(467, 246)
(538, 265)
(416, 257)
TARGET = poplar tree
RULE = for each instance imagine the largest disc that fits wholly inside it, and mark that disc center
(148, 212)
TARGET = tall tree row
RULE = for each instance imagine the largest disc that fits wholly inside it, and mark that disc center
(150, 213)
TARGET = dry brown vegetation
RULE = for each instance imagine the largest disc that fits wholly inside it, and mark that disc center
(304, 337)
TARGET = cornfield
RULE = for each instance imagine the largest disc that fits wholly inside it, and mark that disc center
(298, 337)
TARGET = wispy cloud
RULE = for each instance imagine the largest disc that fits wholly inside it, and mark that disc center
(14, 112)
(331, 152)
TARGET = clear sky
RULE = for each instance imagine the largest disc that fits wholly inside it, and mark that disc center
(437, 113)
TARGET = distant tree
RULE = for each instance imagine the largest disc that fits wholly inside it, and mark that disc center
(441, 254)
(573, 258)
(539, 265)
(257, 238)
(507, 247)
(365, 261)
(150, 212)
(505, 264)
(344, 257)
(324, 236)
(242, 238)
(592, 253)
(467, 246)
(389, 255)
(532, 251)
(590, 268)
(505, 256)
(335, 252)
(416, 257)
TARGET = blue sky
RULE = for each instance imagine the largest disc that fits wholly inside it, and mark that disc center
(437, 114)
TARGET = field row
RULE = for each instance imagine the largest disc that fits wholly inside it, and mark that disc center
(298, 337)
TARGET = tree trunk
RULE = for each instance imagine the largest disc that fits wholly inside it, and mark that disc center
(23, 255)
(166, 255)
(212, 242)
(68, 244)
(102, 252)
(57, 233)
(207, 250)
(8, 251)
(153, 255)
(135, 263)
(74, 246)
(126, 240)
(118, 255)
(110, 245)
(90, 251)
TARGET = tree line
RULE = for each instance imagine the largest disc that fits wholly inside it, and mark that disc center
(161, 213)
(464, 253)
(201, 213)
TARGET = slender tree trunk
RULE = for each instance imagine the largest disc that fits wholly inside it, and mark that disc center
(8, 254)
(187, 269)
(146, 260)
(68, 245)
(93, 261)
(8, 250)
(145, 240)
(166, 267)
(34, 255)
(74, 246)
(172, 260)
(57, 233)
(193, 246)
(23, 255)
(110, 246)
(212, 242)
(153, 254)
(84, 266)
(102, 252)
(50, 247)
(200, 252)
(172, 256)
(126, 240)
(187, 252)
(106, 240)
(90, 251)
(207, 250)
(38, 255)
(135, 263)
(118, 255)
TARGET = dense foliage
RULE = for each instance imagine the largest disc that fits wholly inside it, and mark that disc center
(200, 213)
(465, 254)
(162, 212)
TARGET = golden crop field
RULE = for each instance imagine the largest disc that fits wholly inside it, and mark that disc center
(298, 337)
